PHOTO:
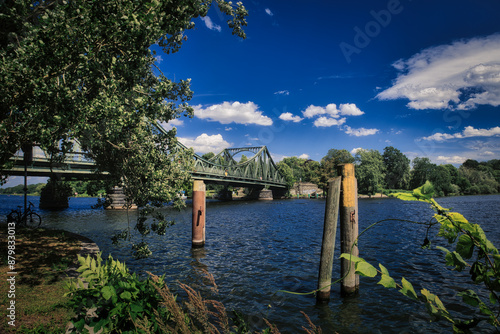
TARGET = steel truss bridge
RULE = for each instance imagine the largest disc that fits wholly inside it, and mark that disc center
(258, 171)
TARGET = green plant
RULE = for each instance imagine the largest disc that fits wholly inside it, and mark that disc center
(108, 296)
(470, 243)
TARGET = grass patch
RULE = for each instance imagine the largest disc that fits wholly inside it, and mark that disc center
(42, 257)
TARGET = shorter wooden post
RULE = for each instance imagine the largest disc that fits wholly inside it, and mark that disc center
(328, 244)
(199, 201)
(348, 228)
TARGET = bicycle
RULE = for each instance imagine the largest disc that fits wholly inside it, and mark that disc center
(29, 218)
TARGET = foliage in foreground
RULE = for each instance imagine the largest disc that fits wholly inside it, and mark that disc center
(107, 296)
(471, 251)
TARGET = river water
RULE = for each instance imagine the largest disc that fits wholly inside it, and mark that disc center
(254, 249)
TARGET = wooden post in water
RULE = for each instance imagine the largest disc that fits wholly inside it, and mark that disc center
(328, 244)
(198, 240)
(348, 228)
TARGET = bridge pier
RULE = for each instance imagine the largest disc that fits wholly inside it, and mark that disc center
(54, 195)
(118, 200)
(226, 195)
(265, 195)
(199, 205)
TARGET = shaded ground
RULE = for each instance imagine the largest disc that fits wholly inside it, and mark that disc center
(43, 259)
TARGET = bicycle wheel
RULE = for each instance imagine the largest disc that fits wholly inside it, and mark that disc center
(13, 217)
(34, 220)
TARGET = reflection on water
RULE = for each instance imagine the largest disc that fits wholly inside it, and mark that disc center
(255, 248)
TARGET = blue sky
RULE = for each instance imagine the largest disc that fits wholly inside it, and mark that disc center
(422, 76)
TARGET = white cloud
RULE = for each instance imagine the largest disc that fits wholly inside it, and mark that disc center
(268, 12)
(303, 156)
(356, 150)
(210, 25)
(287, 116)
(172, 123)
(468, 132)
(347, 109)
(350, 109)
(278, 157)
(360, 132)
(205, 143)
(282, 92)
(228, 128)
(225, 113)
(159, 59)
(313, 110)
(451, 160)
(327, 122)
(460, 75)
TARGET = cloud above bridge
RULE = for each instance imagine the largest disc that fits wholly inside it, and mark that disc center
(205, 143)
(460, 75)
(236, 112)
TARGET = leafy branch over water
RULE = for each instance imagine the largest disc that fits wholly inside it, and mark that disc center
(468, 242)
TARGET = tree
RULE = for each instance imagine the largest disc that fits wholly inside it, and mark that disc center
(330, 162)
(370, 171)
(243, 159)
(208, 156)
(83, 70)
(441, 180)
(422, 168)
(397, 167)
(287, 172)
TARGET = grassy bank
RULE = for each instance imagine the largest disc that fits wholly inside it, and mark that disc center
(42, 258)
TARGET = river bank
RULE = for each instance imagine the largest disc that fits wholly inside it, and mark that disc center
(42, 261)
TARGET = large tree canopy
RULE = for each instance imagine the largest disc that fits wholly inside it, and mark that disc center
(84, 70)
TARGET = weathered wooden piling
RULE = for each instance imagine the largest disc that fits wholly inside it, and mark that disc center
(198, 239)
(328, 244)
(348, 228)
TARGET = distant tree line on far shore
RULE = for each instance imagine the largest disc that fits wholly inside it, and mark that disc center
(74, 188)
(380, 173)
(375, 172)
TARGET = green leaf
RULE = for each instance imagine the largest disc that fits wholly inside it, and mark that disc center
(126, 295)
(352, 258)
(442, 249)
(408, 290)
(365, 269)
(387, 281)
(108, 292)
(470, 298)
(493, 298)
(465, 246)
(456, 260)
(136, 308)
(383, 269)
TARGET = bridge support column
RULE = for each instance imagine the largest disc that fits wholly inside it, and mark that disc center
(54, 195)
(118, 201)
(226, 195)
(265, 195)
(198, 239)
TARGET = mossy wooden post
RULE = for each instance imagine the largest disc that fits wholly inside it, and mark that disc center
(199, 201)
(348, 228)
(328, 244)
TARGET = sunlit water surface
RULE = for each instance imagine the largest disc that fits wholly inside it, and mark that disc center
(256, 248)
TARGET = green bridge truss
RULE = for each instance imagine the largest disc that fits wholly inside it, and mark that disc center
(258, 171)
